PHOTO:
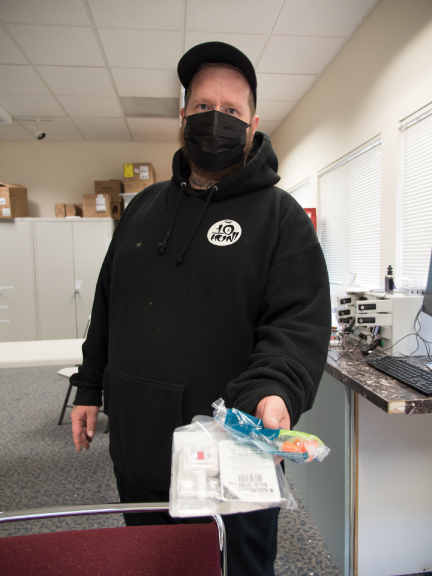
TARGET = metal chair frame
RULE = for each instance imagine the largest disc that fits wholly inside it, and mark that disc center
(65, 511)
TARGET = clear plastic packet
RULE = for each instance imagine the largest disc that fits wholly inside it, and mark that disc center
(214, 473)
(295, 446)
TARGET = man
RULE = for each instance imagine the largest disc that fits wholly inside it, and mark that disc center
(214, 285)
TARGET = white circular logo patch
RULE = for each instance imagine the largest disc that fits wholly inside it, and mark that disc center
(224, 233)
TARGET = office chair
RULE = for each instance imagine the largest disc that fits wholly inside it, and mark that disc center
(169, 550)
(67, 373)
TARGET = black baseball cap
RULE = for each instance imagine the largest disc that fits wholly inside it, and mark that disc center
(218, 53)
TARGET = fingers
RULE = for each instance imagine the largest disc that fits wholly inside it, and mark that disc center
(91, 424)
(84, 419)
(273, 412)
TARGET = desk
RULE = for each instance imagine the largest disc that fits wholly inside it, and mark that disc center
(41, 353)
(371, 498)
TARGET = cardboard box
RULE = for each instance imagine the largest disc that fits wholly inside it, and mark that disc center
(138, 176)
(60, 210)
(112, 187)
(71, 210)
(97, 206)
(13, 201)
(79, 210)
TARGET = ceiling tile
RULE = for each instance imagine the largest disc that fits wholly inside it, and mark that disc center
(14, 128)
(9, 53)
(56, 126)
(298, 55)
(167, 127)
(76, 81)
(103, 129)
(142, 49)
(21, 137)
(235, 16)
(148, 15)
(251, 44)
(286, 87)
(59, 130)
(146, 83)
(91, 106)
(62, 12)
(268, 127)
(31, 105)
(20, 80)
(323, 18)
(67, 46)
(274, 111)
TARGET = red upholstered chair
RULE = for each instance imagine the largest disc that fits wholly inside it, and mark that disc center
(171, 550)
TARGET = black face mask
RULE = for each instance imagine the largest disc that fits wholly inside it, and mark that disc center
(215, 140)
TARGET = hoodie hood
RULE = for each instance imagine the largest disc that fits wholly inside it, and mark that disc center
(259, 172)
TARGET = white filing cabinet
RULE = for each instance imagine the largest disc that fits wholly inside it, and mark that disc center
(48, 273)
(18, 313)
(68, 255)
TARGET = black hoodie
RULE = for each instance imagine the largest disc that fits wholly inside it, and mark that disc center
(204, 294)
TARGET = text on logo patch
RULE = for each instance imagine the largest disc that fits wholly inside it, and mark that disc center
(224, 233)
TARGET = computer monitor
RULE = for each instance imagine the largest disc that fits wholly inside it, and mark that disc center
(427, 301)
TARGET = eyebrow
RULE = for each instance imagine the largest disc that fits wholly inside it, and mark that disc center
(226, 104)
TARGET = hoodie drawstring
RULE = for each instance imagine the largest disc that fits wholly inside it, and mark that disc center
(163, 245)
(180, 257)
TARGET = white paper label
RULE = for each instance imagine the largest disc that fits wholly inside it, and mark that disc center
(144, 172)
(136, 170)
(6, 212)
(247, 473)
(2, 200)
(100, 204)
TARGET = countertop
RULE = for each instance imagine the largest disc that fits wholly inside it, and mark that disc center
(388, 394)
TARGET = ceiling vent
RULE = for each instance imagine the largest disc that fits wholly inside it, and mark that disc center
(5, 117)
(135, 107)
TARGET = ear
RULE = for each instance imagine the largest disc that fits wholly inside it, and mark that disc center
(182, 112)
(254, 124)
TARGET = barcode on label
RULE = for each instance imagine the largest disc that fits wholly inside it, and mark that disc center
(250, 478)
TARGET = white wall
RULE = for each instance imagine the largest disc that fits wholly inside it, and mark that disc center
(64, 171)
(381, 75)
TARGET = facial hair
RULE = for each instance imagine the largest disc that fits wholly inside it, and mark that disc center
(201, 176)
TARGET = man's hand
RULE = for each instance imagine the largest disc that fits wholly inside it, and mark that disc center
(84, 420)
(273, 412)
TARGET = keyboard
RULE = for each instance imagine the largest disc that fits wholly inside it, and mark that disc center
(407, 373)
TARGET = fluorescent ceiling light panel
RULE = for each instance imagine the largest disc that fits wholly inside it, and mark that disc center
(136, 107)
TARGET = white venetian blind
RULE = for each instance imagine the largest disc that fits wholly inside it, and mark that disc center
(416, 201)
(350, 215)
(301, 193)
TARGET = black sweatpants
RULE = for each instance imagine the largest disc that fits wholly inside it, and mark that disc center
(251, 537)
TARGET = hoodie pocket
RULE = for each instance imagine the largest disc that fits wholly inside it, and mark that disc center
(143, 415)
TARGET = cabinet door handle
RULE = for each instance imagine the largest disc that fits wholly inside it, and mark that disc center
(78, 285)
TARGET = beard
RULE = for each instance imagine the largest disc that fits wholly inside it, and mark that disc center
(214, 175)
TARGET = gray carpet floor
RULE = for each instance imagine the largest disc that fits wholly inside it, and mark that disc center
(40, 467)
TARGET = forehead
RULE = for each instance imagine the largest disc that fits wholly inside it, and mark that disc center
(219, 82)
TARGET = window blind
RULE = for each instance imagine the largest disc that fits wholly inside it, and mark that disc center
(350, 215)
(301, 193)
(416, 198)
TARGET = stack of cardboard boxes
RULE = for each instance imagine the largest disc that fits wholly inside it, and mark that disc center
(109, 198)
(13, 201)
